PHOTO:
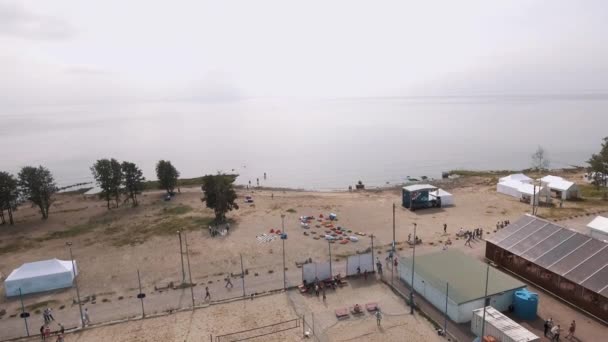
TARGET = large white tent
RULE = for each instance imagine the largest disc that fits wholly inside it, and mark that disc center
(564, 188)
(520, 177)
(509, 187)
(40, 276)
(522, 190)
(598, 228)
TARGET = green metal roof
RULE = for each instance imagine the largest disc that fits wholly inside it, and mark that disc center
(465, 274)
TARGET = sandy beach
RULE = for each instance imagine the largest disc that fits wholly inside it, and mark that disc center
(110, 246)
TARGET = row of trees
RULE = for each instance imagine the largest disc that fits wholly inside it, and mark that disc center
(35, 184)
(116, 179)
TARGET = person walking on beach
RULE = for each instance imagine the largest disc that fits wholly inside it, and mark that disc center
(324, 296)
(571, 330)
(445, 228)
(555, 332)
(86, 317)
(228, 282)
(47, 332)
(468, 242)
(42, 332)
(547, 326)
(378, 317)
(207, 294)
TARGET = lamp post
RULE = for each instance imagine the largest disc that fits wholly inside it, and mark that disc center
(189, 271)
(69, 244)
(24, 314)
(413, 269)
(181, 254)
(283, 238)
(485, 299)
(373, 261)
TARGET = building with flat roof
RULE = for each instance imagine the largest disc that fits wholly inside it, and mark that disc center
(460, 279)
(571, 265)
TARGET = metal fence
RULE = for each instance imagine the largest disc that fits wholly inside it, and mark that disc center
(270, 329)
(140, 291)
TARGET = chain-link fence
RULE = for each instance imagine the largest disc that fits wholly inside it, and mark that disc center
(188, 281)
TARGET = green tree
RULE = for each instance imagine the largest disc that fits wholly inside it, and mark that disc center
(540, 161)
(167, 175)
(133, 181)
(108, 175)
(38, 186)
(598, 166)
(219, 194)
(9, 194)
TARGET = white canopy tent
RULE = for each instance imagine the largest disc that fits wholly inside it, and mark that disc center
(520, 177)
(598, 228)
(564, 188)
(529, 191)
(509, 187)
(447, 199)
(40, 276)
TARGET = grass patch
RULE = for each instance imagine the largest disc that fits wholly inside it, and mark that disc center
(590, 191)
(291, 210)
(179, 209)
(140, 232)
(70, 232)
(480, 173)
(45, 304)
(17, 245)
(76, 230)
(560, 213)
(183, 182)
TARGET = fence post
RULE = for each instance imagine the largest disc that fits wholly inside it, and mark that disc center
(313, 324)
(242, 274)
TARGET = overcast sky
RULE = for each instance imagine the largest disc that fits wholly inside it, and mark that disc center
(71, 52)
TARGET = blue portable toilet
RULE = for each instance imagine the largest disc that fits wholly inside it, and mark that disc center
(525, 304)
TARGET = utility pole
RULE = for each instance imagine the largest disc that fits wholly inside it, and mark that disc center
(485, 299)
(189, 271)
(331, 273)
(141, 295)
(393, 227)
(373, 261)
(413, 270)
(445, 318)
(181, 254)
(283, 238)
(69, 244)
(24, 314)
(242, 274)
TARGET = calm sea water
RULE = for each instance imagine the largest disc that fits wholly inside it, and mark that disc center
(320, 144)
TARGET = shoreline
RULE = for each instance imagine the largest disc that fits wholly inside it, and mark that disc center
(453, 176)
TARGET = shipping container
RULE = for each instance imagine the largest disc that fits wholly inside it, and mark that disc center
(501, 327)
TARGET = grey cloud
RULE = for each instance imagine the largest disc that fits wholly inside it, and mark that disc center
(17, 21)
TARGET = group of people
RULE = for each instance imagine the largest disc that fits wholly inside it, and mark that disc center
(417, 240)
(471, 235)
(45, 329)
(502, 224)
(553, 330)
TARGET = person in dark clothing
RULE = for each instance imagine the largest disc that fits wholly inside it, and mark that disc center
(445, 228)
(547, 326)
(42, 332)
(207, 294)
